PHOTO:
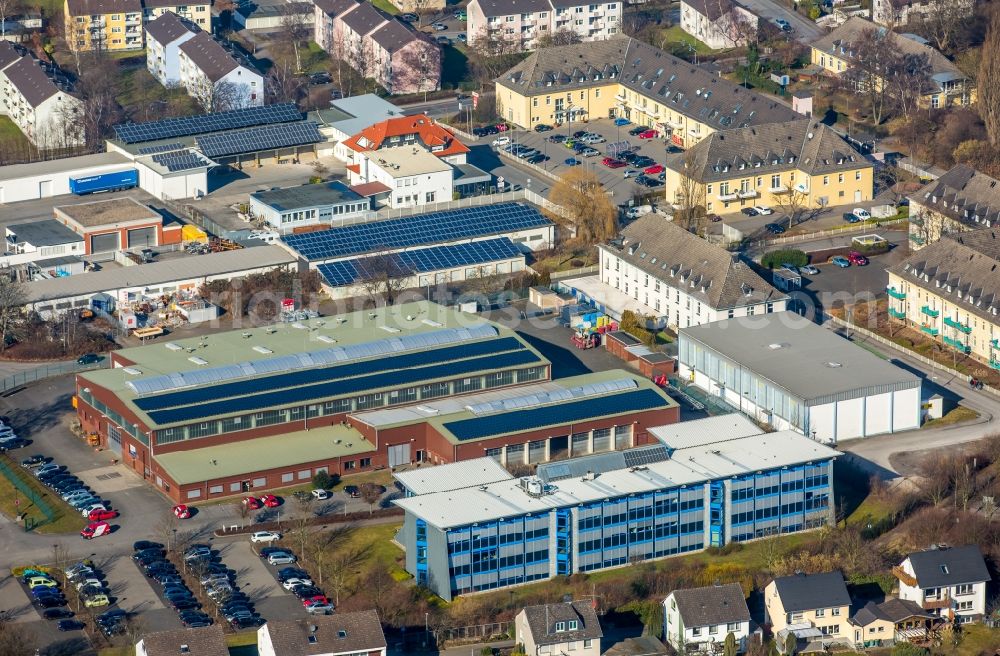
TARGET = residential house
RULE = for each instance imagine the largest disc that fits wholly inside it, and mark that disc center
(517, 25)
(892, 621)
(203, 641)
(700, 619)
(818, 601)
(216, 78)
(794, 166)
(559, 629)
(164, 36)
(39, 99)
(341, 634)
(718, 23)
(199, 13)
(658, 269)
(103, 24)
(409, 176)
(950, 582)
(960, 200)
(893, 13)
(624, 77)
(947, 84)
(378, 46)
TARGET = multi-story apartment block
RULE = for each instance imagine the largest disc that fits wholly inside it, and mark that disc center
(559, 629)
(164, 36)
(950, 291)
(701, 488)
(623, 77)
(378, 46)
(216, 78)
(949, 582)
(517, 25)
(962, 199)
(893, 13)
(793, 165)
(199, 13)
(38, 98)
(675, 277)
(946, 85)
(103, 24)
(718, 23)
(818, 601)
(699, 619)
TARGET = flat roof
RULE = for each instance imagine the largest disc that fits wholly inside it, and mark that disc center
(686, 434)
(453, 476)
(717, 460)
(308, 195)
(48, 167)
(794, 353)
(48, 232)
(361, 112)
(155, 274)
(100, 213)
(407, 161)
(285, 450)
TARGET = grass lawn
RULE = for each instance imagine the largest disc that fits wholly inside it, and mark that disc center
(382, 477)
(12, 140)
(454, 67)
(66, 520)
(386, 6)
(976, 639)
(957, 415)
(241, 639)
(675, 34)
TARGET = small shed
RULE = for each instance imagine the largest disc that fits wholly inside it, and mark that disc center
(785, 280)
(547, 299)
(198, 311)
(103, 302)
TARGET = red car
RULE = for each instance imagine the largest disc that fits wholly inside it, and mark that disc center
(318, 599)
(182, 511)
(612, 163)
(857, 259)
(502, 127)
(253, 503)
(101, 515)
(270, 501)
(648, 134)
(654, 169)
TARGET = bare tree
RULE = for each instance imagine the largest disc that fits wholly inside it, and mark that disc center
(294, 30)
(561, 37)
(794, 204)
(491, 54)
(371, 493)
(283, 84)
(14, 639)
(689, 196)
(942, 22)
(586, 205)
(382, 277)
(221, 96)
(341, 568)
(12, 301)
(874, 61)
(988, 82)
(909, 79)
(8, 8)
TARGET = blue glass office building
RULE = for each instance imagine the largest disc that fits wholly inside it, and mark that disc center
(612, 509)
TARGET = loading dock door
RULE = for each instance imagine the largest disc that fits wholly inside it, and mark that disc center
(399, 455)
(104, 243)
(142, 238)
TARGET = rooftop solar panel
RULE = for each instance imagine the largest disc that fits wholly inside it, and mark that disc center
(407, 263)
(204, 123)
(161, 148)
(563, 413)
(182, 161)
(431, 228)
(646, 456)
(265, 137)
(334, 389)
(337, 372)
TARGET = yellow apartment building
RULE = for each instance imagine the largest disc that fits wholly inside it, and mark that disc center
(947, 86)
(116, 25)
(623, 77)
(789, 166)
(950, 291)
(820, 601)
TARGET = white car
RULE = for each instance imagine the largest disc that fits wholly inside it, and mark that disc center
(89, 581)
(810, 269)
(861, 213)
(439, 27)
(501, 141)
(291, 584)
(319, 609)
(265, 536)
(763, 209)
(86, 510)
(321, 494)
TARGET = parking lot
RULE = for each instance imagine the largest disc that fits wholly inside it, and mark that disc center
(257, 579)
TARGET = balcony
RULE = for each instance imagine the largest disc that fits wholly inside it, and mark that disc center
(935, 603)
(995, 344)
(917, 239)
(957, 325)
(901, 574)
(780, 189)
(802, 187)
(728, 197)
(747, 193)
(956, 344)
(895, 294)
(930, 330)
(896, 314)
(995, 364)
(934, 314)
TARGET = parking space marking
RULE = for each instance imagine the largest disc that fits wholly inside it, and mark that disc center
(130, 587)
(108, 479)
(15, 602)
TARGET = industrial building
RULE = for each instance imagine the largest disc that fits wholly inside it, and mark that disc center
(790, 373)
(327, 203)
(40, 240)
(256, 409)
(116, 224)
(613, 509)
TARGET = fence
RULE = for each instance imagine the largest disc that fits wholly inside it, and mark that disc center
(29, 494)
(919, 168)
(847, 229)
(572, 273)
(22, 378)
(475, 633)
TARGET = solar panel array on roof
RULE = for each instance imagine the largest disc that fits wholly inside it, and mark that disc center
(563, 413)
(351, 386)
(602, 463)
(266, 137)
(324, 374)
(431, 228)
(305, 360)
(180, 161)
(407, 263)
(161, 148)
(646, 456)
(203, 123)
(541, 398)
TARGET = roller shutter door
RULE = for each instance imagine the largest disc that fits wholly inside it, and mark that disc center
(142, 237)
(399, 455)
(104, 243)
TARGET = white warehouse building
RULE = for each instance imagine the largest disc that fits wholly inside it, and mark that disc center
(787, 371)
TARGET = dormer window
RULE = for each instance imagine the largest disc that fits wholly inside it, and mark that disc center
(573, 625)
(560, 627)
(944, 569)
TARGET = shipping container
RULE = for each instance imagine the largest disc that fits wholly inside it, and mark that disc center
(104, 182)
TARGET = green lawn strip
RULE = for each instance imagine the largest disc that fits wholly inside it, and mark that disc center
(956, 416)
(386, 6)
(65, 520)
(676, 34)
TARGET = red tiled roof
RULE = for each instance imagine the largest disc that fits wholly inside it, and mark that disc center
(354, 168)
(370, 188)
(428, 132)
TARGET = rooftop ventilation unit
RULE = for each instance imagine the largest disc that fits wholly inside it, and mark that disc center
(173, 346)
(198, 361)
(131, 371)
(263, 349)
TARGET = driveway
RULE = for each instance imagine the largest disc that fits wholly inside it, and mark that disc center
(257, 579)
(804, 30)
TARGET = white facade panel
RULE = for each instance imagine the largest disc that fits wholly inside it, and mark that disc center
(850, 418)
(878, 414)
(823, 421)
(905, 410)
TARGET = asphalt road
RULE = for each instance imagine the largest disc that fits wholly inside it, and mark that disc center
(804, 30)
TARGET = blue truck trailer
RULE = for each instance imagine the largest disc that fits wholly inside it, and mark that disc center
(104, 182)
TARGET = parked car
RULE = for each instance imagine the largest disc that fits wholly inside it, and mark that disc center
(57, 614)
(590, 152)
(462, 37)
(840, 261)
(556, 138)
(631, 173)
(88, 358)
(143, 545)
(265, 536)
(790, 268)
(409, 18)
(543, 127)
(34, 461)
(319, 609)
(749, 211)
(857, 258)
(646, 181)
(290, 573)
(443, 40)
(763, 210)
(439, 27)
(861, 214)
(774, 228)
(97, 504)
(572, 161)
(642, 161)
(181, 511)
(95, 530)
(96, 601)
(246, 622)
(622, 121)
(648, 134)
(101, 515)
(501, 141)
(70, 625)
(41, 582)
(281, 558)
(654, 169)
(197, 551)
(637, 130)
(291, 584)
(783, 25)
(612, 163)
(810, 269)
